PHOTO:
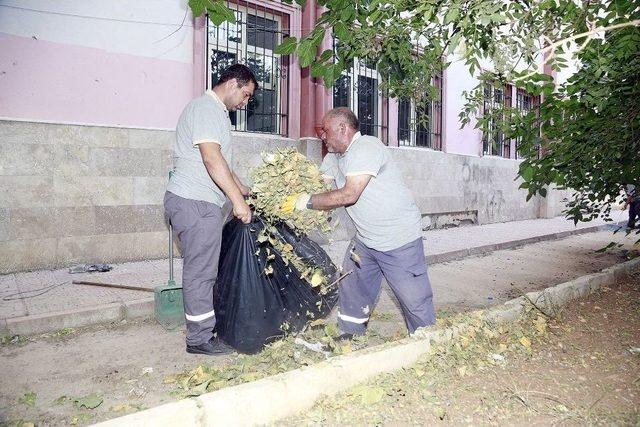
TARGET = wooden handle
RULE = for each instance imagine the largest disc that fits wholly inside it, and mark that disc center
(112, 285)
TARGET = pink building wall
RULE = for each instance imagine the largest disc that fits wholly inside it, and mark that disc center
(72, 75)
(456, 140)
(54, 82)
(93, 63)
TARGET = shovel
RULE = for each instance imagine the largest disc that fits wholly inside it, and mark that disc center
(169, 308)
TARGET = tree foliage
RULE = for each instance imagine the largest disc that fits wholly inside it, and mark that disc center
(584, 133)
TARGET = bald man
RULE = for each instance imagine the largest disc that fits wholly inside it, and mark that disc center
(389, 236)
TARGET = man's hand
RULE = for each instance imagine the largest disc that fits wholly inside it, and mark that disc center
(295, 202)
(244, 189)
(242, 211)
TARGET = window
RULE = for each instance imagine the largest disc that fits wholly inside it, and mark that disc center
(251, 40)
(493, 141)
(358, 89)
(421, 126)
(525, 102)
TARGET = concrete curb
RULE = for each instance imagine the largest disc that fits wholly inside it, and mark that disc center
(143, 308)
(486, 249)
(274, 398)
(79, 317)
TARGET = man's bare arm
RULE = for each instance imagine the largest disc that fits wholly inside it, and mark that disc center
(345, 196)
(244, 190)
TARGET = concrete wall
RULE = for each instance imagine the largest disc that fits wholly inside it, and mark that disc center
(75, 194)
(468, 186)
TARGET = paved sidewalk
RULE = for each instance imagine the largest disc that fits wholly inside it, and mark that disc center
(46, 300)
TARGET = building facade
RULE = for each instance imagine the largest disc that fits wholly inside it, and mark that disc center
(90, 93)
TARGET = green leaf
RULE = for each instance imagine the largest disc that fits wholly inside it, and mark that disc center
(346, 14)
(219, 13)
(317, 69)
(341, 31)
(287, 47)
(306, 53)
(527, 173)
(317, 35)
(328, 53)
(28, 399)
(199, 389)
(60, 400)
(197, 7)
(90, 401)
(217, 10)
(452, 14)
(371, 394)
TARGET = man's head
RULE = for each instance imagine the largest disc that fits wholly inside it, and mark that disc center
(338, 127)
(236, 86)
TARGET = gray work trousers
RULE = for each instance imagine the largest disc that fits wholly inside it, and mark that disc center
(198, 226)
(404, 268)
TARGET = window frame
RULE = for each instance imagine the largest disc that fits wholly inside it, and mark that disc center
(243, 51)
(359, 68)
(534, 105)
(501, 143)
(436, 118)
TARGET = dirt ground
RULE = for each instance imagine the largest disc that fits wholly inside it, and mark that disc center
(579, 368)
(55, 379)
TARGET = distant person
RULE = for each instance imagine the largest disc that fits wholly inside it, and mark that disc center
(201, 183)
(633, 200)
(389, 236)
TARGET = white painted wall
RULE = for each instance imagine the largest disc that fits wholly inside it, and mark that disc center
(148, 28)
(126, 63)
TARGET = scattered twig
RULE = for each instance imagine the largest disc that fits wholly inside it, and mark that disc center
(335, 282)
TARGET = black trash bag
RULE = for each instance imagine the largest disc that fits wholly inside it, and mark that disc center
(253, 308)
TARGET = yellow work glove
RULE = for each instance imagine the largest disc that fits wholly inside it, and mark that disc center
(295, 202)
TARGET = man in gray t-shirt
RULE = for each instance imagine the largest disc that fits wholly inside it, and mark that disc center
(387, 220)
(199, 186)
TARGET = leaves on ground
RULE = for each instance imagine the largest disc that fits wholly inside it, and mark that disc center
(90, 401)
(61, 400)
(28, 399)
(368, 394)
(81, 418)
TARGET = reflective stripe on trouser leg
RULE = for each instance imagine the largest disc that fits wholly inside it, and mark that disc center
(405, 269)
(358, 291)
(198, 225)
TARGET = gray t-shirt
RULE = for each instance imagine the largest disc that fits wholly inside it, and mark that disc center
(386, 216)
(205, 119)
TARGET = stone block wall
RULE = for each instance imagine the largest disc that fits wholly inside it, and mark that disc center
(88, 194)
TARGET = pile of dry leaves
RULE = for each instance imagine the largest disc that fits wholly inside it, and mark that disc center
(283, 174)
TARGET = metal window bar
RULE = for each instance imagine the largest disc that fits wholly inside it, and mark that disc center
(493, 141)
(358, 88)
(525, 102)
(251, 40)
(420, 125)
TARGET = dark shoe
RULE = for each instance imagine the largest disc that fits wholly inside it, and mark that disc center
(344, 337)
(213, 347)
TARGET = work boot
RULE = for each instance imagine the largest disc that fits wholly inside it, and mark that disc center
(213, 347)
(344, 337)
